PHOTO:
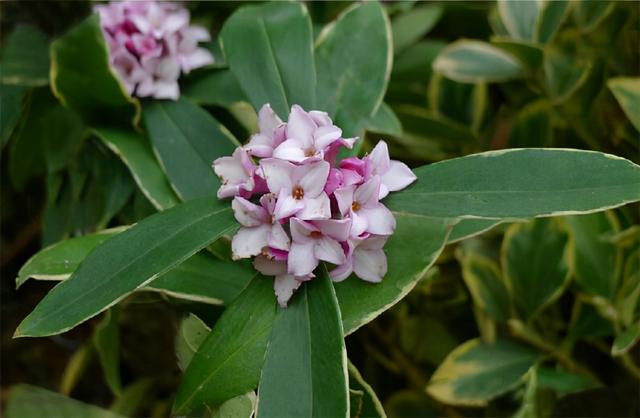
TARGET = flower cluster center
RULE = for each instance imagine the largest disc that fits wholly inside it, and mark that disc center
(315, 234)
(355, 206)
(297, 193)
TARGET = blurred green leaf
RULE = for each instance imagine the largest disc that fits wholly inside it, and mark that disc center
(308, 335)
(371, 406)
(484, 280)
(26, 401)
(228, 362)
(25, 57)
(411, 404)
(191, 333)
(536, 262)
(520, 183)
(590, 13)
(410, 26)
(626, 340)
(187, 139)
(106, 338)
(532, 126)
(269, 48)
(426, 339)
(131, 397)
(564, 382)
(470, 61)
(467, 228)
(353, 72)
(242, 406)
(520, 17)
(475, 372)
(587, 322)
(530, 56)
(629, 290)
(627, 92)
(87, 84)
(551, 18)
(12, 103)
(461, 102)
(385, 121)
(218, 88)
(75, 368)
(135, 152)
(598, 263)
(564, 74)
(128, 261)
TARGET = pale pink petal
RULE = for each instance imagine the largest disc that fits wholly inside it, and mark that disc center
(278, 238)
(374, 242)
(370, 265)
(247, 213)
(196, 59)
(290, 150)
(269, 267)
(198, 33)
(380, 220)
(341, 272)
(268, 201)
(278, 174)
(228, 190)
(344, 197)
(284, 286)
(398, 176)
(300, 126)
(268, 121)
(383, 191)
(300, 231)
(166, 90)
(315, 208)
(248, 242)
(287, 205)
(367, 194)
(231, 169)
(301, 260)
(175, 21)
(379, 157)
(334, 180)
(337, 229)
(312, 177)
(320, 118)
(359, 224)
(328, 249)
(350, 177)
(325, 135)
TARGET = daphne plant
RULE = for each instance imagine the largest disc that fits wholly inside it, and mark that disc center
(345, 237)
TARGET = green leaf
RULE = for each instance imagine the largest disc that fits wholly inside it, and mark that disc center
(597, 263)
(552, 16)
(11, 107)
(626, 340)
(467, 228)
(532, 126)
(590, 13)
(128, 261)
(629, 289)
(228, 362)
(411, 250)
(134, 150)
(242, 406)
(269, 48)
(469, 61)
(564, 74)
(201, 278)
(371, 406)
(26, 401)
(187, 139)
(520, 17)
(484, 280)
(530, 56)
(627, 92)
(563, 382)
(411, 404)
(191, 333)
(520, 183)
(425, 338)
(353, 71)
(536, 263)
(475, 373)
(305, 367)
(132, 397)
(106, 338)
(219, 88)
(75, 368)
(459, 102)
(385, 121)
(410, 26)
(25, 57)
(83, 80)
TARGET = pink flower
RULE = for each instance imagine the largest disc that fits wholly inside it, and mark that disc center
(260, 232)
(271, 134)
(361, 204)
(284, 283)
(299, 188)
(238, 175)
(150, 43)
(307, 136)
(314, 241)
(364, 257)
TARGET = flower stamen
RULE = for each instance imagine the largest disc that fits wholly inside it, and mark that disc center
(297, 193)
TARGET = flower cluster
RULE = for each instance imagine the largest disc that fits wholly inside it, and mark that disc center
(150, 43)
(306, 207)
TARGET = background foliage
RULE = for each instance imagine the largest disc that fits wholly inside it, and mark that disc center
(465, 78)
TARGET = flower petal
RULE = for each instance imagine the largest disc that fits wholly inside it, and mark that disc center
(287, 206)
(312, 177)
(398, 176)
(248, 242)
(341, 272)
(302, 260)
(325, 135)
(247, 213)
(278, 238)
(300, 126)
(380, 220)
(300, 231)
(278, 174)
(269, 267)
(359, 224)
(367, 194)
(370, 265)
(268, 121)
(328, 249)
(290, 150)
(337, 229)
(373, 242)
(316, 208)
(284, 286)
(379, 158)
(344, 197)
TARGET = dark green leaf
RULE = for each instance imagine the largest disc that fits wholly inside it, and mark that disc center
(128, 261)
(626, 340)
(371, 406)
(484, 280)
(627, 92)
(83, 80)
(520, 17)
(552, 16)
(385, 121)
(563, 382)
(468, 228)
(520, 183)
(187, 139)
(12, 99)
(191, 333)
(590, 13)
(106, 339)
(269, 48)
(532, 126)
(218, 88)
(25, 57)
(305, 367)
(564, 74)
(412, 25)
